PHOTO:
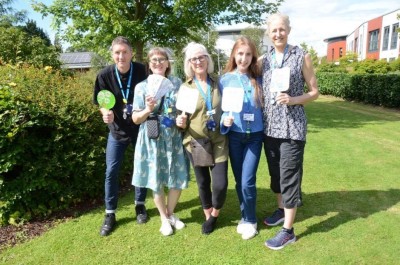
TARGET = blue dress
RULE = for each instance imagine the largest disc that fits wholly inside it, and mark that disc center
(160, 162)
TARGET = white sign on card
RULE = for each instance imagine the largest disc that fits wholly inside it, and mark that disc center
(280, 79)
(158, 85)
(187, 99)
(232, 99)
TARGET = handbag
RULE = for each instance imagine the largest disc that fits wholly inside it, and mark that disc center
(153, 126)
(202, 152)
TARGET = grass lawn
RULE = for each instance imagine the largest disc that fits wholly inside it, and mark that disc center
(351, 211)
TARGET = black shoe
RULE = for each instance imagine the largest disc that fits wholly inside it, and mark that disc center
(209, 225)
(109, 222)
(141, 214)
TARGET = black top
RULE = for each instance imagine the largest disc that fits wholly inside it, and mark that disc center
(121, 129)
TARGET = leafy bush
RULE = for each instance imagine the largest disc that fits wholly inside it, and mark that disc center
(335, 84)
(371, 66)
(52, 142)
(377, 89)
(331, 68)
(395, 65)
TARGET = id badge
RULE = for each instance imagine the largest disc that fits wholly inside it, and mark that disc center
(211, 112)
(211, 125)
(168, 122)
(248, 116)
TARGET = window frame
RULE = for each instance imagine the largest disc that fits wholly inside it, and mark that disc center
(386, 36)
(395, 36)
(373, 40)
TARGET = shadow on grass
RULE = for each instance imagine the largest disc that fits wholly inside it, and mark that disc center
(343, 207)
(229, 213)
(339, 207)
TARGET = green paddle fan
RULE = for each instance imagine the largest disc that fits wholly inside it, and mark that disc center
(106, 99)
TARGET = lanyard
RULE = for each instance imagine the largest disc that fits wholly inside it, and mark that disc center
(128, 87)
(208, 97)
(274, 62)
(166, 106)
(247, 92)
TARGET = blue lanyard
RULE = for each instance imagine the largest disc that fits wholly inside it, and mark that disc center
(247, 92)
(128, 87)
(166, 105)
(208, 97)
(274, 62)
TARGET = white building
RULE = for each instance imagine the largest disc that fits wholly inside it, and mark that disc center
(228, 34)
(376, 38)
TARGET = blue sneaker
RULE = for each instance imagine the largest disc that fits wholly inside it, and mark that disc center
(276, 218)
(281, 239)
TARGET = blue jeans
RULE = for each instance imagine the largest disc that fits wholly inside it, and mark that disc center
(114, 156)
(244, 153)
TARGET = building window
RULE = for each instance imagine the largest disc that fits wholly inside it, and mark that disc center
(373, 40)
(355, 45)
(340, 52)
(386, 33)
(395, 36)
(333, 54)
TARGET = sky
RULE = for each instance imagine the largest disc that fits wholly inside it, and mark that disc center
(312, 21)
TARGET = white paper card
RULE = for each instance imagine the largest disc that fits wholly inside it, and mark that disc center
(158, 85)
(232, 99)
(187, 99)
(280, 79)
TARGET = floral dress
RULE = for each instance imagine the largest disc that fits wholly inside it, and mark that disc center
(160, 162)
(285, 121)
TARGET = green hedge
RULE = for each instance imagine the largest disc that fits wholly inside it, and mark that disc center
(377, 89)
(52, 142)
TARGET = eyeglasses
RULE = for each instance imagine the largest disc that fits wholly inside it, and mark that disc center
(201, 59)
(157, 60)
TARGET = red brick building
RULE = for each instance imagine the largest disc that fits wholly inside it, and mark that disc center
(374, 39)
(336, 48)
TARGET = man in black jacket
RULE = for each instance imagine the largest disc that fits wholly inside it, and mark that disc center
(120, 79)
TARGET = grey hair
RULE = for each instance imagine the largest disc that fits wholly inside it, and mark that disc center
(283, 17)
(191, 49)
(121, 40)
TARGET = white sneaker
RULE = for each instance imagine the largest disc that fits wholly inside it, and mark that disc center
(175, 222)
(240, 227)
(166, 228)
(249, 231)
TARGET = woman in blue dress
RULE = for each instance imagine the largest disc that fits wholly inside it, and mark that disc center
(161, 162)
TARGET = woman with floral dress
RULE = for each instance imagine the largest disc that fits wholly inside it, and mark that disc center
(160, 162)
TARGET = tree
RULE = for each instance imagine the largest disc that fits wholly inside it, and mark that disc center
(349, 59)
(10, 16)
(312, 52)
(398, 29)
(57, 43)
(18, 47)
(34, 31)
(94, 23)
(256, 34)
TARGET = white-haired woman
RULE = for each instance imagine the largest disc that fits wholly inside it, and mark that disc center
(203, 125)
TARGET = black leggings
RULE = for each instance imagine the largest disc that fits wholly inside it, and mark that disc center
(219, 176)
